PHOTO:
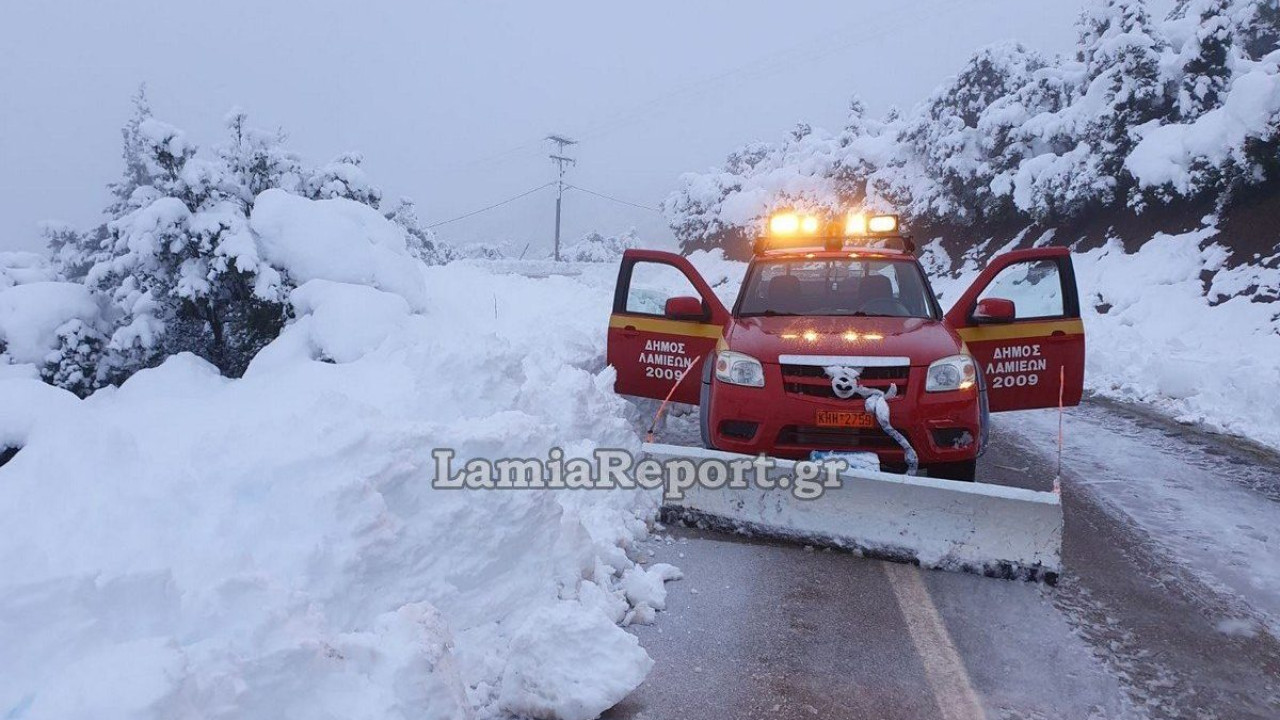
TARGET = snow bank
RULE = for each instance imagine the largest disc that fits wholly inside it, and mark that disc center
(340, 240)
(189, 545)
(1164, 340)
(545, 677)
(1156, 334)
(31, 314)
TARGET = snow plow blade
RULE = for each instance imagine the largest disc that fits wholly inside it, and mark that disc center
(990, 530)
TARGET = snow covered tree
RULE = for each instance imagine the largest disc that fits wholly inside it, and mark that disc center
(67, 250)
(183, 267)
(693, 210)
(946, 138)
(176, 263)
(256, 160)
(343, 178)
(136, 172)
(1207, 59)
(422, 243)
(1123, 85)
(746, 159)
(853, 169)
(1257, 26)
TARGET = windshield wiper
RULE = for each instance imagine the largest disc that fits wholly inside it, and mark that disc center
(769, 313)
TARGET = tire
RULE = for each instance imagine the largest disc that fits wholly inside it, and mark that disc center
(965, 470)
(704, 404)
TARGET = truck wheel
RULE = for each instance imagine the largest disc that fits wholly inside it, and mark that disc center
(965, 470)
(704, 403)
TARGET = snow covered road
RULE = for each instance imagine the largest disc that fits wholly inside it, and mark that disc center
(281, 551)
(1138, 627)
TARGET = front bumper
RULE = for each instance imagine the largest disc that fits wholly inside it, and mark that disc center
(942, 427)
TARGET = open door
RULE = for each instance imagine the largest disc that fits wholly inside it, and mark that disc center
(665, 320)
(1021, 322)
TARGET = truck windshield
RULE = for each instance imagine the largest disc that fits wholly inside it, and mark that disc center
(837, 286)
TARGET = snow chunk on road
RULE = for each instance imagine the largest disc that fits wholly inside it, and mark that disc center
(549, 677)
(648, 586)
(339, 240)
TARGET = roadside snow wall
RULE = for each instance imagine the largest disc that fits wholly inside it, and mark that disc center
(187, 545)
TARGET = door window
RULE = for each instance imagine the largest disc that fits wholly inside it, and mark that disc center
(653, 284)
(1034, 286)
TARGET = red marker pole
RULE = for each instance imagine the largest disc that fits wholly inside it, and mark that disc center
(1062, 385)
(648, 437)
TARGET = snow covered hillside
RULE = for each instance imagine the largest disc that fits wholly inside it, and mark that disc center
(190, 545)
(1147, 114)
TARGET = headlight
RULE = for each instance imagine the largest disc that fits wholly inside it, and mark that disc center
(738, 369)
(956, 372)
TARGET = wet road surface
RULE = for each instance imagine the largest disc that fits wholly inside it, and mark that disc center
(1135, 628)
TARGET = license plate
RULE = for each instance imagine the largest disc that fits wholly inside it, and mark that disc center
(845, 419)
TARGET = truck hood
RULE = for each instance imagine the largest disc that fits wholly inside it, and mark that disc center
(765, 338)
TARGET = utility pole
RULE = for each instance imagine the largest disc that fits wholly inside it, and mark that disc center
(559, 158)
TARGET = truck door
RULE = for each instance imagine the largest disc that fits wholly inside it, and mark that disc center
(665, 320)
(1021, 322)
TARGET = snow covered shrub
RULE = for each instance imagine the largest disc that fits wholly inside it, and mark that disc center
(343, 178)
(55, 327)
(594, 247)
(76, 363)
(481, 251)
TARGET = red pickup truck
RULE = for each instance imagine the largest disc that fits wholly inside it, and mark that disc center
(830, 314)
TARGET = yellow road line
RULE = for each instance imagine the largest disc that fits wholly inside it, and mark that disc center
(943, 668)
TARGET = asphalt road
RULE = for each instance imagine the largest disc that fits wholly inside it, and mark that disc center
(765, 630)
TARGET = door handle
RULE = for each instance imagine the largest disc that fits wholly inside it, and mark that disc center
(630, 331)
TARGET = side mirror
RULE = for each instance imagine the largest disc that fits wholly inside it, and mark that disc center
(994, 310)
(684, 308)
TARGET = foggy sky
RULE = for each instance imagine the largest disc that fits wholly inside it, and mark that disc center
(449, 101)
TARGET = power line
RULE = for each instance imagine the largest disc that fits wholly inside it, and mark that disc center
(490, 207)
(614, 199)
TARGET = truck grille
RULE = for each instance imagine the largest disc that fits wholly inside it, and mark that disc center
(812, 381)
(835, 438)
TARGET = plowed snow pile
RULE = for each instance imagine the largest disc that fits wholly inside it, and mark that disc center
(271, 547)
